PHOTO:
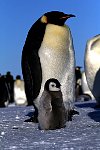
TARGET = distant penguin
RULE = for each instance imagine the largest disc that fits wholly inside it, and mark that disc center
(48, 53)
(51, 110)
(78, 86)
(78, 73)
(4, 92)
(19, 91)
(10, 86)
(92, 66)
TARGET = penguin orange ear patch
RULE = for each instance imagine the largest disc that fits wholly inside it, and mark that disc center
(44, 19)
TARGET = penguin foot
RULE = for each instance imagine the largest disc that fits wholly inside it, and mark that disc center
(71, 113)
(32, 119)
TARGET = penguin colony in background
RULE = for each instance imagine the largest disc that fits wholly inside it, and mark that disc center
(92, 66)
(52, 113)
(48, 53)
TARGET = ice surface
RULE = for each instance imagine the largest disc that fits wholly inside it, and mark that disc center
(82, 133)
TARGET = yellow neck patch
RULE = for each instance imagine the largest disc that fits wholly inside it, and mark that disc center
(56, 36)
(44, 19)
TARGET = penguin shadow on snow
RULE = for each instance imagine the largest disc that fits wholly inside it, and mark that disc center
(90, 104)
(95, 115)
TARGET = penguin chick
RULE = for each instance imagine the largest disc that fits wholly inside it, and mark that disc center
(92, 66)
(51, 108)
(48, 53)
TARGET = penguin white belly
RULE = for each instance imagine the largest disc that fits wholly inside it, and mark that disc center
(57, 60)
(92, 64)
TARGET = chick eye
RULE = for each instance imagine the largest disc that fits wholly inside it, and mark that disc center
(53, 85)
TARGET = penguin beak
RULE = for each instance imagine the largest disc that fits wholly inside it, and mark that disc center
(66, 16)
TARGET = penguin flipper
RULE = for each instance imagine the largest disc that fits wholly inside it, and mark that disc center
(32, 75)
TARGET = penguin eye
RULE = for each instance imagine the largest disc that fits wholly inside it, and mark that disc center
(53, 85)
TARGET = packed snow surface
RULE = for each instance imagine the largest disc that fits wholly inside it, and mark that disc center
(82, 133)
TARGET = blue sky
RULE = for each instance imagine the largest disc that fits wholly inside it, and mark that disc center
(17, 16)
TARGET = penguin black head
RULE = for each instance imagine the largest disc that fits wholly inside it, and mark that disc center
(78, 68)
(78, 72)
(52, 85)
(55, 17)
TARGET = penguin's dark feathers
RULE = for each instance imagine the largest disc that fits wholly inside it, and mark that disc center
(55, 17)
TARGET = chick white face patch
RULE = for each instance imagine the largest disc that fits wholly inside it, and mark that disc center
(53, 87)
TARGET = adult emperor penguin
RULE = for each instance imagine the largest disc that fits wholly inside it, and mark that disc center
(19, 91)
(51, 110)
(92, 66)
(48, 53)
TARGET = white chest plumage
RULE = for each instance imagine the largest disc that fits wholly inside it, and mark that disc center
(57, 59)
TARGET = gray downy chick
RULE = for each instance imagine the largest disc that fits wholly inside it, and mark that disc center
(52, 113)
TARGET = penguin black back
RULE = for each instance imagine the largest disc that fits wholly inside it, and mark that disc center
(30, 58)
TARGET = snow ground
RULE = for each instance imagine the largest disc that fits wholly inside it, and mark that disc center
(82, 133)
